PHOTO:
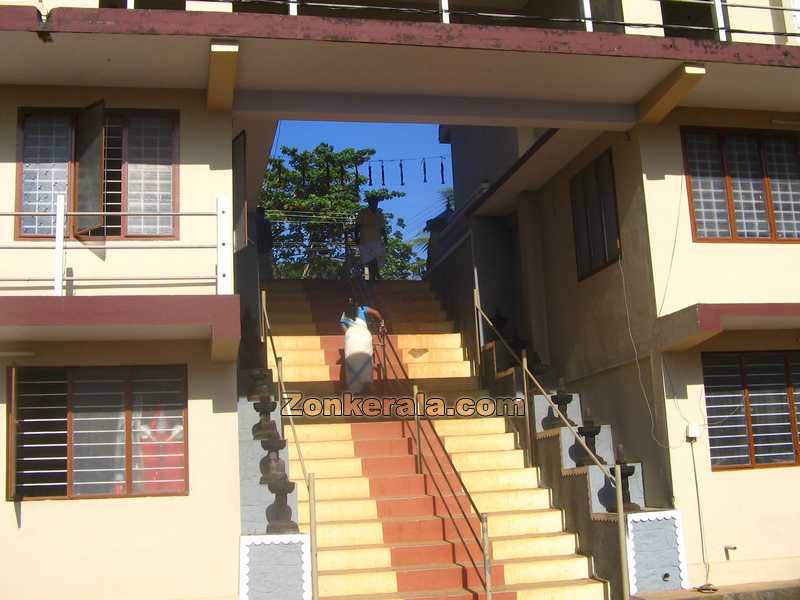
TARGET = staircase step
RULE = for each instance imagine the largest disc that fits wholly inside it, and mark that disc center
(580, 589)
(523, 499)
(324, 468)
(531, 546)
(500, 479)
(479, 442)
(439, 369)
(295, 342)
(433, 340)
(484, 461)
(468, 427)
(363, 487)
(298, 357)
(417, 327)
(545, 569)
(366, 509)
(432, 355)
(349, 449)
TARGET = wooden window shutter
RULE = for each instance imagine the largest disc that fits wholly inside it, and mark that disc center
(89, 160)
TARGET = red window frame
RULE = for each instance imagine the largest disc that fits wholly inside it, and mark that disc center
(173, 115)
(11, 439)
(720, 133)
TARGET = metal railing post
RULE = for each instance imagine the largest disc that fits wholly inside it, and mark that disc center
(528, 436)
(623, 540)
(224, 246)
(719, 21)
(293, 8)
(586, 14)
(475, 307)
(312, 534)
(58, 252)
(487, 555)
(415, 391)
(444, 7)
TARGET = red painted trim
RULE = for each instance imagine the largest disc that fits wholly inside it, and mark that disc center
(220, 313)
(374, 31)
(709, 316)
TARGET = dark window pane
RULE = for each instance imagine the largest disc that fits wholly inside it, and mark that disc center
(98, 425)
(608, 197)
(579, 226)
(747, 181)
(704, 161)
(594, 217)
(783, 168)
(725, 410)
(41, 440)
(769, 407)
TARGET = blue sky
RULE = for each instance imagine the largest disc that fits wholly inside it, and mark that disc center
(391, 141)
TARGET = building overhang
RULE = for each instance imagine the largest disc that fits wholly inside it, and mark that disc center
(695, 324)
(124, 318)
(376, 70)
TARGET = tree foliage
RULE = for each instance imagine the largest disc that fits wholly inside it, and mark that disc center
(311, 199)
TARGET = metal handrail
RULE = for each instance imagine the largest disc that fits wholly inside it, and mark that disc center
(483, 537)
(589, 21)
(308, 478)
(615, 480)
(526, 373)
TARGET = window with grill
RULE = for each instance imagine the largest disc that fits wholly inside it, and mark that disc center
(743, 186)
(136, 152)
(750, 408)
(97, 431)
(594, 216)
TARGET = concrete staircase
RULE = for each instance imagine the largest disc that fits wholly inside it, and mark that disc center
(385, 531)
(427, 350)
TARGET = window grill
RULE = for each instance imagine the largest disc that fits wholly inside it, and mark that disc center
(100, 431)
(743, 185)
(750, 408)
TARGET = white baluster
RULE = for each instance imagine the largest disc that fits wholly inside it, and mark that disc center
(58, 252)
(586, 13)
(445, 8)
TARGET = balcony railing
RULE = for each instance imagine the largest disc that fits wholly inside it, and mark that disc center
(742, 20)
(60, 247)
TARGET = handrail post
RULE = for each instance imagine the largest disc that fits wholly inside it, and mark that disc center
(719, 21)
(444, 7)
(58, 256)
(475, 307)
(487, 555)
(312, 534)
(529, 437)
(414, 390)
(279, 368)
(623, 541)
(586, 14)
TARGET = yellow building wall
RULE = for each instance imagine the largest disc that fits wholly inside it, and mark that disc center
(636, 11)
(755, 510)
(684, 272)
(158, 548)
(204, 175)
(763, 18)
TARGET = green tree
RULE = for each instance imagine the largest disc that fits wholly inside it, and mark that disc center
(312, 199)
